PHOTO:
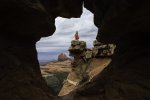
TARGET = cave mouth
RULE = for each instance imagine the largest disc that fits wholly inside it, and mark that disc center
(49, 48)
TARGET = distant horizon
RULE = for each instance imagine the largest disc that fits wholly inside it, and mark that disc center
(46, 57)
(49, 48)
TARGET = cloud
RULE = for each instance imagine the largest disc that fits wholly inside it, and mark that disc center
(65, 30)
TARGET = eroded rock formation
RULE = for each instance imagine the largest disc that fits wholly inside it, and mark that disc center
(22, 24)
(63, 57)
(123, 22)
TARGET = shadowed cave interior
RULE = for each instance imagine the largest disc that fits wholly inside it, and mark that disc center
(123, 22)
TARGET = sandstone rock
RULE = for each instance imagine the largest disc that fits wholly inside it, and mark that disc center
(124, 22)
(117, 18)
(23, 23)
(75, 77)
(64, 8)
(62, 57)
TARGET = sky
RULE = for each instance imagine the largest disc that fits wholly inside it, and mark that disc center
(50, 47)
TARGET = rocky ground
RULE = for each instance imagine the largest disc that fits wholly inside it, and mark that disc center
(56, 67)
(55, 73)
(72, 80)
(94, 68)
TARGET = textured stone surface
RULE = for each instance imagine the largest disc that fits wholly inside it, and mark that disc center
(116, 18)
(64, 8)
(124, 22)
(22, 24)
(126, 78)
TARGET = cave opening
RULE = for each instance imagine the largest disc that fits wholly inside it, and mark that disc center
(49, 48)
(123, 22)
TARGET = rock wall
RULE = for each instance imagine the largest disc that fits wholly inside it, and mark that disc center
(123, 22)
(116, 18)
(22, 24)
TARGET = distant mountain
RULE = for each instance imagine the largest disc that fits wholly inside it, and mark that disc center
(63, 57)
(46, 57)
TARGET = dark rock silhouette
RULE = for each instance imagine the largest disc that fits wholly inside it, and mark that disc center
(123, 22)
(22, 24)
